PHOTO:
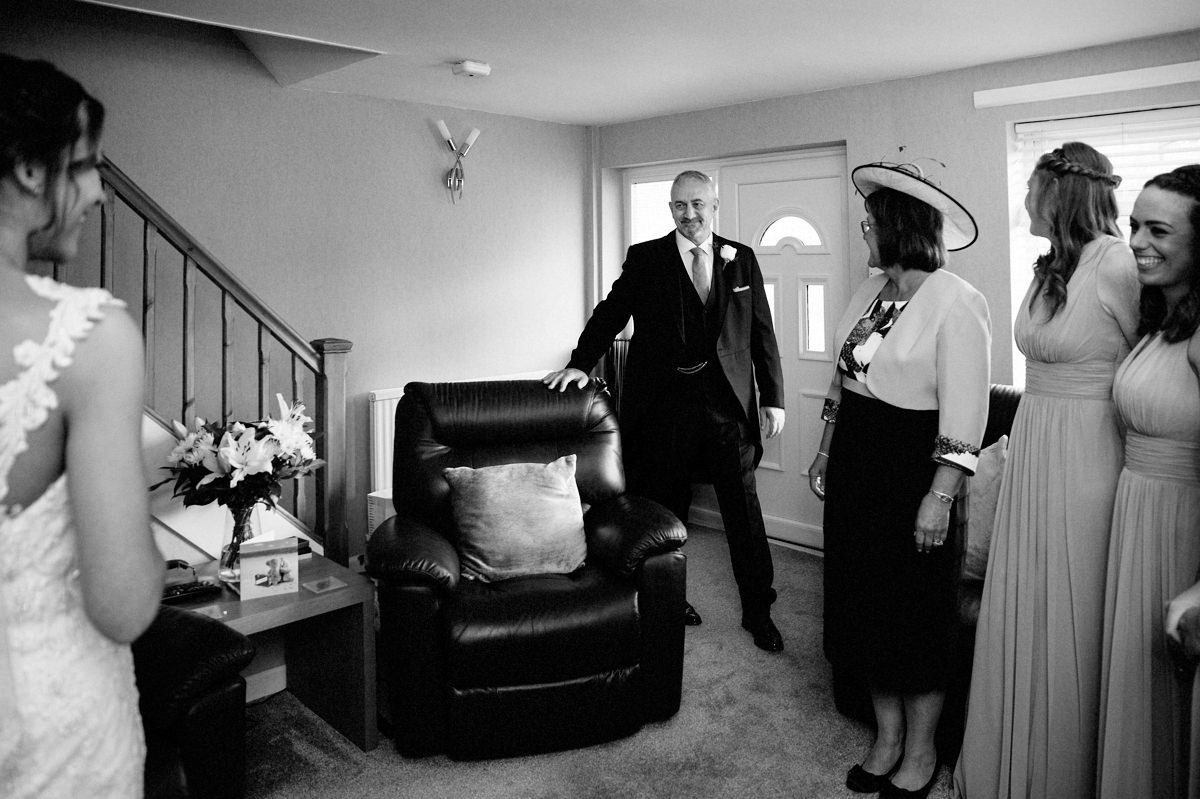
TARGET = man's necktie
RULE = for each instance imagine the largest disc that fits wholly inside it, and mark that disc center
(700, 273)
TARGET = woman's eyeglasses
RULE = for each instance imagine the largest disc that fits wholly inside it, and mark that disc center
(866, 226)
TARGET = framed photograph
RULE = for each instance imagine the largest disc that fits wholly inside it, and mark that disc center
(270, 567)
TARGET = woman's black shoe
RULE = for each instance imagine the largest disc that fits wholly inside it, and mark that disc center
(859, 780)
(890, 791)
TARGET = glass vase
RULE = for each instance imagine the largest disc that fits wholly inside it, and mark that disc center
(230, 571)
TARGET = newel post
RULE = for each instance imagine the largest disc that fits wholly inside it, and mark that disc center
(331, 447)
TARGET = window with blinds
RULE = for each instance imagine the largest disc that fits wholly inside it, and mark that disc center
(1140, 145)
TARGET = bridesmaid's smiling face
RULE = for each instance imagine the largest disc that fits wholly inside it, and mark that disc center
(1163, 239)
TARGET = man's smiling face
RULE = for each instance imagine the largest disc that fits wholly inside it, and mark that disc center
(693, 206)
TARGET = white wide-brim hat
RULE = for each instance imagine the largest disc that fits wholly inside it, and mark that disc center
(958, 226)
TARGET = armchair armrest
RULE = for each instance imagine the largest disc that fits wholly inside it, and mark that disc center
(404, 550)
(622, 532)
(179, 658)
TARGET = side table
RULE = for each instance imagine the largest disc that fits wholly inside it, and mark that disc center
(329, 642)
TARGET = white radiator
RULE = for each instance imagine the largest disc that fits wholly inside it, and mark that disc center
(383, 427)
(382, 413)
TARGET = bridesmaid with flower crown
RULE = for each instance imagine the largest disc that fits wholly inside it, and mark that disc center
(1033, 707)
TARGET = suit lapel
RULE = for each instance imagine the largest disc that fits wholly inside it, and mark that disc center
(722, 281)
(672, 280)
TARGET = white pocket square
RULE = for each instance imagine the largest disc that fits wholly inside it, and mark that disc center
(741, 288)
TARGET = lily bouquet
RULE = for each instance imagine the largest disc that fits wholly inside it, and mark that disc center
(240, 464)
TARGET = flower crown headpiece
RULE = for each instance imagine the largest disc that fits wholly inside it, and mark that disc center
(1060, 165)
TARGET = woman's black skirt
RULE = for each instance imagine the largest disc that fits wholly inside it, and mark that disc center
(889, 609)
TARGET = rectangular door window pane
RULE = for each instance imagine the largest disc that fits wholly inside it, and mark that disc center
(813, 303)
(650, 213)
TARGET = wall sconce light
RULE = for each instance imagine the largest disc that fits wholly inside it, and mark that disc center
(455, 176)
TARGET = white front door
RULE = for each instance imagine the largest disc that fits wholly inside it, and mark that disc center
(792, 211)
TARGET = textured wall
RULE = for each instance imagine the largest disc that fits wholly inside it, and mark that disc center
(933, 116)
(331, 207)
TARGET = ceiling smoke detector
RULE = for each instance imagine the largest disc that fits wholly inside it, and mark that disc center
(472, 69)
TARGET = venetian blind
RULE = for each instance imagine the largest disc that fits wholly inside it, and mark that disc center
(1140, 145)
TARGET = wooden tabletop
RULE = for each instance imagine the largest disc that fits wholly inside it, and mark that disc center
(267, 613)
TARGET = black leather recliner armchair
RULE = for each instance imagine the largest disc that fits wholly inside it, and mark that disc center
(193, 705)
(536, 663)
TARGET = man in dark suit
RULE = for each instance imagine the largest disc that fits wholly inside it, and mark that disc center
(702, 340)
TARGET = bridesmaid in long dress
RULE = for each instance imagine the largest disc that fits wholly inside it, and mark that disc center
(1155, 547)
(1032, 711)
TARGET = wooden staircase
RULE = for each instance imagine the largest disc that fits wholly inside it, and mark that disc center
(215, 350)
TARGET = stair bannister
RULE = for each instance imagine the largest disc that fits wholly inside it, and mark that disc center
(318, 367)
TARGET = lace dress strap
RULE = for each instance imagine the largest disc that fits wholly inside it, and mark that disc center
(27, 399)
(25, 403)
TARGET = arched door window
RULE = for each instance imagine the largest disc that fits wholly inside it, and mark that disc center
(790, 229)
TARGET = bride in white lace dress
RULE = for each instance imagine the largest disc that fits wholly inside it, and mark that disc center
(80, 576)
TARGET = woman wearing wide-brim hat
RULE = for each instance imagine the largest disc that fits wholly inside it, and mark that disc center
(904, 417)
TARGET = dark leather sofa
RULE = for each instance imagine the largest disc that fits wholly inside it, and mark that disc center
(852, 699)
(534, 663)
(193, 705)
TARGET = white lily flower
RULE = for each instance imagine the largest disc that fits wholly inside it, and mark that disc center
(289, 431)
(246, 455)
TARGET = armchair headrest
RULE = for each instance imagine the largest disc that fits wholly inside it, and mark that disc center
(486, 423)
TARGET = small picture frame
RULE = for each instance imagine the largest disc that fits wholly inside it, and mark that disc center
(270, 567)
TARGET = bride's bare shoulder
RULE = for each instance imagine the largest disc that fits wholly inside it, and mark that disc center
(111, 352)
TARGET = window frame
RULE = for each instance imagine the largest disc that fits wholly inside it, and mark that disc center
(1132, 140)
(655, 173)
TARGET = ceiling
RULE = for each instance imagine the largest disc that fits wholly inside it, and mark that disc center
(594, 63)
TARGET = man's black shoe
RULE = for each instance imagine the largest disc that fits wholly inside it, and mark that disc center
(690, 617)
(766, 634)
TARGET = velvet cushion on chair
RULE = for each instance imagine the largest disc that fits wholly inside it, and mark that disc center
(982, 494)
(517, 519)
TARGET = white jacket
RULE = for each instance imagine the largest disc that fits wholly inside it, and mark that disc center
(936, 356)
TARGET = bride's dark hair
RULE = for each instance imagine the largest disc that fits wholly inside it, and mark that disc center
(43, 111)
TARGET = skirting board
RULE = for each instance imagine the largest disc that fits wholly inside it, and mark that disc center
(267, 682)
(785, 532)
(267, 673)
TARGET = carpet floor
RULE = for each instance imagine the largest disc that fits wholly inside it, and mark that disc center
(752, 723)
